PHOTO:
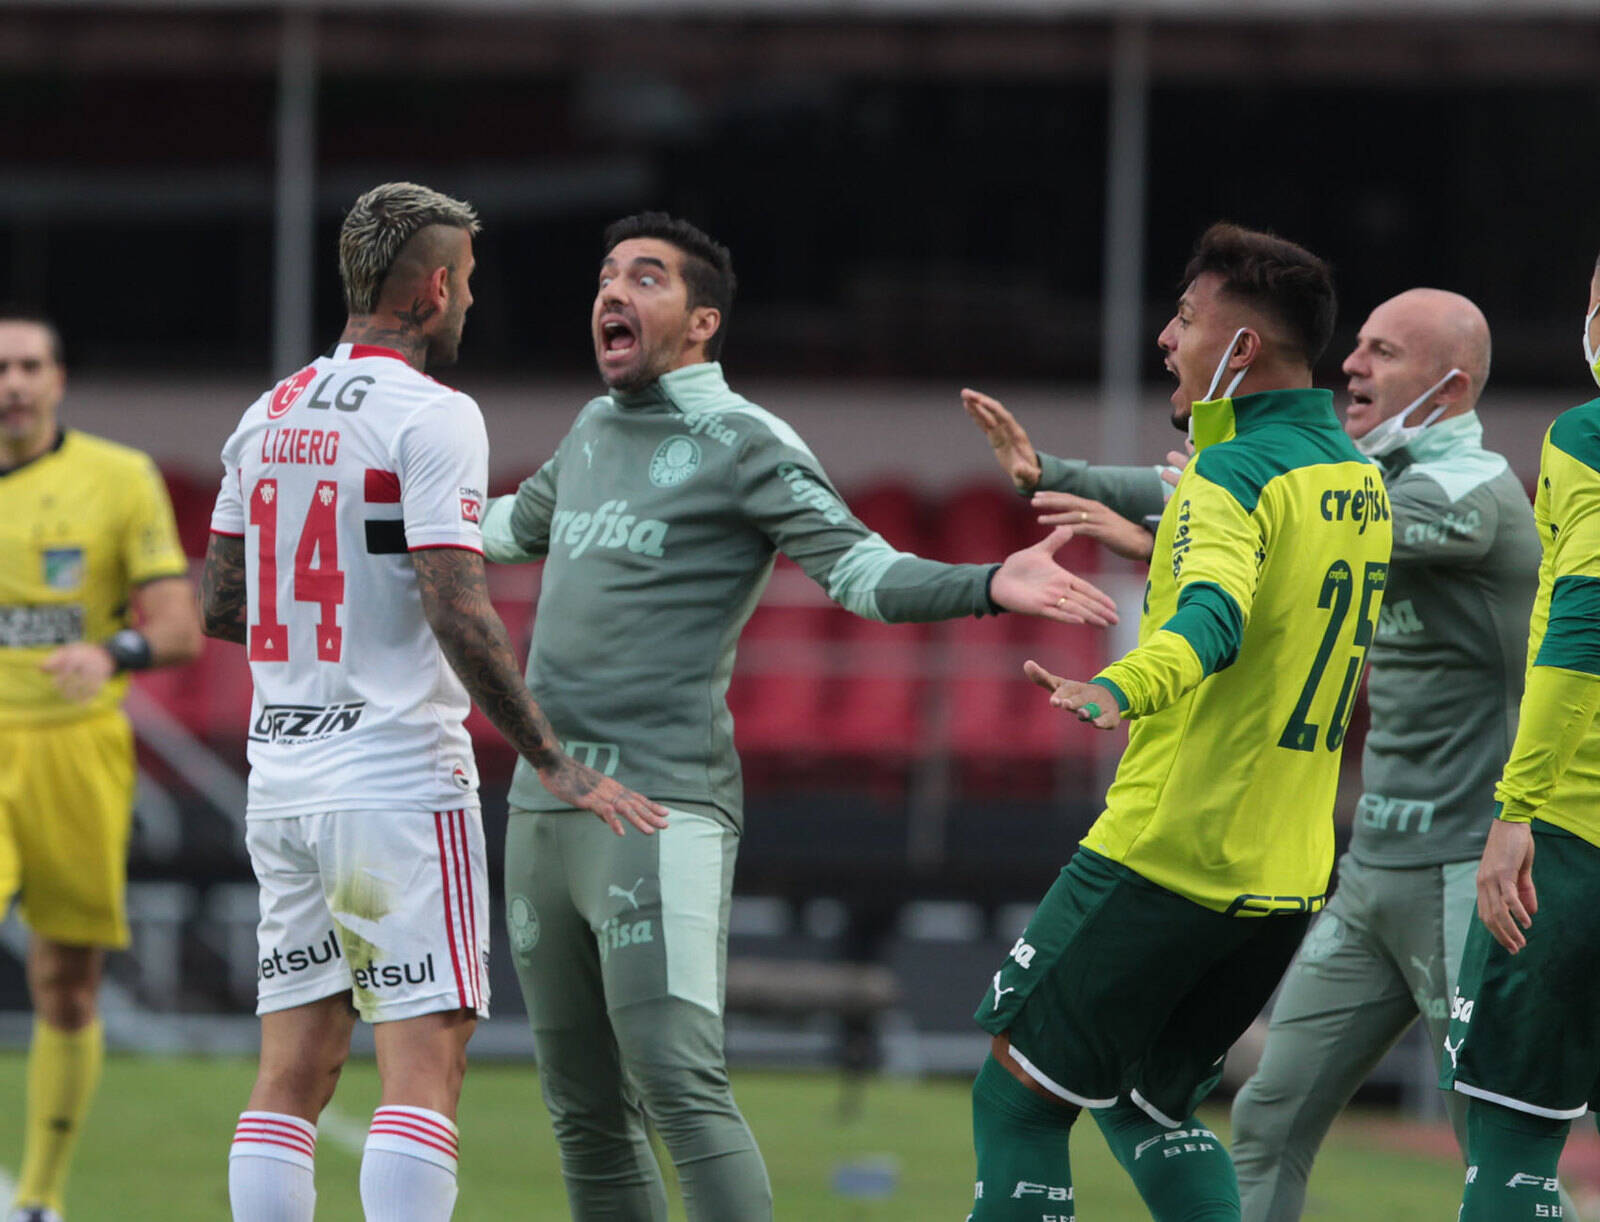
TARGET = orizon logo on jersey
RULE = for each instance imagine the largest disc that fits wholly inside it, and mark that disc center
(610, 526)
(293, 724)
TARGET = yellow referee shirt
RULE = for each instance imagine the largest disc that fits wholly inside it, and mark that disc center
(1554, 770)
(1268, 571)
(80, 526)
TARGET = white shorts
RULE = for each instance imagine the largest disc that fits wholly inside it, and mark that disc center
(392, 908)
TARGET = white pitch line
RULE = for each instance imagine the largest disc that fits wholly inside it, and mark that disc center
(348, 1134)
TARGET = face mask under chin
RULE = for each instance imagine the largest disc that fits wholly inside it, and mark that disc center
(1389, 435)
(1210, 431)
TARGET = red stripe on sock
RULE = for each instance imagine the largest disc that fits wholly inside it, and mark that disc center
(309, 1149)
(426, 1124)
(449, 927)
(396, 1131)
(277, 1128)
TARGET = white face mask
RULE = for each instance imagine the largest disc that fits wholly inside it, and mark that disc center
(1389, 435)
(1589, 354)
(1222, 368)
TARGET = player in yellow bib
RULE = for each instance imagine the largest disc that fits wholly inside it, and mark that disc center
(93, 584)
(1168, 929)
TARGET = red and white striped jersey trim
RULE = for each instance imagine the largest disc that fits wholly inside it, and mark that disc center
(460, 906)
(275, 1135)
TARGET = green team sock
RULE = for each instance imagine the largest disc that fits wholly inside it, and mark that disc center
(1024, 1173)
(1511, 1164)
(1183, 1174)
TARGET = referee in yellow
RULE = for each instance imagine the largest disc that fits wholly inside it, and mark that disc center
(93, 583)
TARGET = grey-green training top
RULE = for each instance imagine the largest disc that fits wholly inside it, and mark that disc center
(659, 517)
(1448, 661)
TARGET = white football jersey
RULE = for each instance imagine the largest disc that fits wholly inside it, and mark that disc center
(332, 478)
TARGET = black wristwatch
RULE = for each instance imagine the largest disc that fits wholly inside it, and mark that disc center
(129, 650)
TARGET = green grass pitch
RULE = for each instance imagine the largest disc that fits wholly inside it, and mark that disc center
(157, 1143)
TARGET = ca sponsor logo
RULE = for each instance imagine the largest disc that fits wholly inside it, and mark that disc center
(675, 460)
(812, 494)
(1050, 1192)
(1366, 504)
(1023, 953)
(393, 975)
(522, 921)
(296, 724)
(1460, 1007)
(300, 959)
(610, 526)
(618, 934)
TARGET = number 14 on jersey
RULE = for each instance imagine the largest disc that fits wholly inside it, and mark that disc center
(317, 578)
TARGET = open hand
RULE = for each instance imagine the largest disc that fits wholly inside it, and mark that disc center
(1506, 898)
(80, 669)
(581, 786)
(1177, 460)
(1012, 449)
(1031, 582)
(1088, 701)
(1092, 520)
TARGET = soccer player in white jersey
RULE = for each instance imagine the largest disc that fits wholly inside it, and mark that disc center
(346, 556)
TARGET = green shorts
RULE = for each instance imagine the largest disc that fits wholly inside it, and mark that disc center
(1119, 987)
(1525, 1028)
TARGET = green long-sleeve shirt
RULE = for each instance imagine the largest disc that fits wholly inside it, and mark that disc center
(659, 518)
(1448, 660)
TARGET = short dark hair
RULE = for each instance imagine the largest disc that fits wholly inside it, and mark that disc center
(1273, 275)
(707, 263)
(11, 312)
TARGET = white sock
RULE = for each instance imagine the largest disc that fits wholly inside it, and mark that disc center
(270, 1168)
(408, 1169)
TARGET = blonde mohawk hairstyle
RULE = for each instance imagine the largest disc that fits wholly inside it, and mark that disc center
(378, 226)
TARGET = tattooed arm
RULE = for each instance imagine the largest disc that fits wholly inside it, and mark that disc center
(222, 591)
(455, 599)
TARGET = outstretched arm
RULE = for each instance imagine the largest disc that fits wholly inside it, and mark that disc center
(455, 599)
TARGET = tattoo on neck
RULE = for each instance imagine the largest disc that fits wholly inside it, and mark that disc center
(418, 314)
(405, 339)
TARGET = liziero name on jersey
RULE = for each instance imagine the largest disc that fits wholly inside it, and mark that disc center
(610, 526)
(294, 724)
